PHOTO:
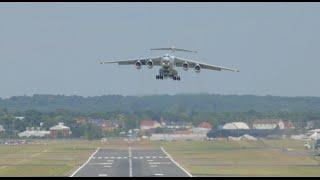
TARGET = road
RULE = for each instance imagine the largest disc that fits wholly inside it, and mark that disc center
(130, 163)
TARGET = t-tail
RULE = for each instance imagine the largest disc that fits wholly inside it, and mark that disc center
(173, 49)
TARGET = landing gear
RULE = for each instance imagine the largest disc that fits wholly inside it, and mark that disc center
(176, 78)
(159, 77)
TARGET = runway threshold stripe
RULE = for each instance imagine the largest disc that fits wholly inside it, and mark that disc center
(86, 162)
(175, 162)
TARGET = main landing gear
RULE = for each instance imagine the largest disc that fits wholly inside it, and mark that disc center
(159, 77)
(175, 78)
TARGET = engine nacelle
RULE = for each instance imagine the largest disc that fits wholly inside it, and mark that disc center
(185, 66)
(197, 68)
(138, 65)
(149, 63)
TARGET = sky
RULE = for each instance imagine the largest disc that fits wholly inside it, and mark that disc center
(54, 48)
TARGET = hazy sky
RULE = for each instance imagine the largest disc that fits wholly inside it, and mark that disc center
(53, 48)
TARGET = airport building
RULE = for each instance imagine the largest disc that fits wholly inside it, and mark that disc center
(1, 129)
(34, 132)
(272, 124)
(203, 128)
(149, 124)
(60, 130)
(235, 125)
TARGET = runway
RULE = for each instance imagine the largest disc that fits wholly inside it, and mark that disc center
(130, 163)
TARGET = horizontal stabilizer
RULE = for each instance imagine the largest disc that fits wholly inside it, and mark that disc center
(173, 49)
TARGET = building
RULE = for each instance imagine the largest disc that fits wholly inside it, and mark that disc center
(178, 125)
(60, 130)
(272, 124)
(149, 124)
(203, 128)
(235, 125)
(109, 126)
(34, 132)
(2, 130)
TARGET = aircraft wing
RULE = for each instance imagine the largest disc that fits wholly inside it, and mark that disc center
(156, 61)
(192, 64)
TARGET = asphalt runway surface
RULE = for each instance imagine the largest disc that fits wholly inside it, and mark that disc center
(130, 163)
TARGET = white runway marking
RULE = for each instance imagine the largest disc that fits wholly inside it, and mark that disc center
(85, 162)
(99, 157)
(102, 175)
(168, 156)
(159, 162)
(109, 160)
(107, 166)
(99, 163)
(149, 160)
(158, 174)
(147, 157)
(153, 166)
(130, 163)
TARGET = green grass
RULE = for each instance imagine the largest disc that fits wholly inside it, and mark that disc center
(245, 158)
(55, 158)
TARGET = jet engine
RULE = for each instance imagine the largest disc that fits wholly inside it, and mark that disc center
(185, 66)
(149, 63)
(138, 65)
(197, 68)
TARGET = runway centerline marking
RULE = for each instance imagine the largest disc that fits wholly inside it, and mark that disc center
(102, 175)
(130, 162)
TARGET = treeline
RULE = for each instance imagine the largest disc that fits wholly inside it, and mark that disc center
(162, 103)
(131, 120)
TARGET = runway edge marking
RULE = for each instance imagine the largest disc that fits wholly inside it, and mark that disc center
(85, 162)
(162, 149)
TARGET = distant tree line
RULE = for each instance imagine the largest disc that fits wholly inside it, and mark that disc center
(162, 103)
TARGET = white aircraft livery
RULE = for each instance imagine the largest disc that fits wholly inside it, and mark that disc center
(168, 64)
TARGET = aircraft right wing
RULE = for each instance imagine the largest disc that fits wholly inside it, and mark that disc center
(156, 61)
(192, 64)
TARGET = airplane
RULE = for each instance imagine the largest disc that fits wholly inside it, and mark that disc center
(169, 62)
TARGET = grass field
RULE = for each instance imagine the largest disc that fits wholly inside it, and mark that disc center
(218, 158)
(261, 158)
(56, 158)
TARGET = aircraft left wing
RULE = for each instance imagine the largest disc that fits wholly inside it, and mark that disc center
(156, 61)
(192, 64)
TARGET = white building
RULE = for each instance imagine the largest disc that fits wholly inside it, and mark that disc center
(19, 117)
(34, 133)
(268, 124)
(149, 124)
(177, 137)
(236, 125)
(1, 129)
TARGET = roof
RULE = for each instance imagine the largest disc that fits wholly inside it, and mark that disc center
(267, 121)
(205, 125)
(60, 126)
(236, 125)
(147, 122)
